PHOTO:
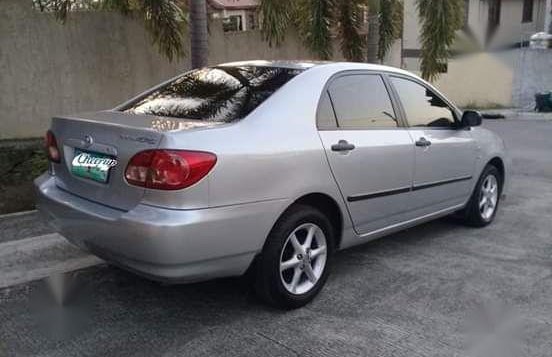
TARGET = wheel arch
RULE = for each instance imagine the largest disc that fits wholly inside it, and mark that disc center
(499, 164)
(327, 204)
(329, 207)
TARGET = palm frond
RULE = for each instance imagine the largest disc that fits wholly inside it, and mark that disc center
(61, 8)
(314, 21)
(440, 20)
(165, 21)
(349, 26)
(123, 6)
(276, 17)
(391, 25)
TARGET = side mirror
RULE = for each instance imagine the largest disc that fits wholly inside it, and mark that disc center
(471, 118)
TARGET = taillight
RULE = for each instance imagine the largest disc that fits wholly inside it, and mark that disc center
(168, 169)
(50, 144)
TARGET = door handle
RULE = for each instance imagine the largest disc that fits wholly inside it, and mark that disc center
(423, 142)
(343, 145)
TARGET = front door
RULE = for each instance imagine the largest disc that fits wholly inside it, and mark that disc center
(445, 154)
(370, 153)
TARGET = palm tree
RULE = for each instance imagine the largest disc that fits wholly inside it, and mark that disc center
(391, 16)
(317, 22)
(385, 25)
(320, 20)
(440, 20)
(199, 36)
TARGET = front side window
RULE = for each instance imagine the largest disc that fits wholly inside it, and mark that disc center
(218, 94)
(362, 101)
(422, 107)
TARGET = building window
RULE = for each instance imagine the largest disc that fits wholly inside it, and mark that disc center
(232, 23)
(528, 10)
(494, 18)
(494, 12)
(252, 21)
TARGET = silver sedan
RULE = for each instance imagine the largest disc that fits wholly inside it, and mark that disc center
(268, 167)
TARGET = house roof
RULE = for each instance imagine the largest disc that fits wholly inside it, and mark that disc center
(234, 4)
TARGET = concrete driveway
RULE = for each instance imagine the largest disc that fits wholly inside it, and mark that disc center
(440, 289)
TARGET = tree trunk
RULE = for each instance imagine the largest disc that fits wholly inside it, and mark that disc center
(373, 39)
(198, 33)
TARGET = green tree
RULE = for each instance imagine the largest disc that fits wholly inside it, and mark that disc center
(391, 16)
(439, 21)
(317, 21)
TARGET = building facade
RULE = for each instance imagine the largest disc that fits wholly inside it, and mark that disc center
(490, 25)
(236, 15)
(488, 66)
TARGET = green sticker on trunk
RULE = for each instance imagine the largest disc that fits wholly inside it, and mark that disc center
(93, 166)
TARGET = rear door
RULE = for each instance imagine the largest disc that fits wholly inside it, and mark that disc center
(445, 154)
(369, 151)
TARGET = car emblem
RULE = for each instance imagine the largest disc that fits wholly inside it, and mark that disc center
(88, 140)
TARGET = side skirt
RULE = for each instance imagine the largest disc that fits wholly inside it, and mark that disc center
(369, 236)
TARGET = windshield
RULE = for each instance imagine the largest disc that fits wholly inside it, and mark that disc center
(217, 94)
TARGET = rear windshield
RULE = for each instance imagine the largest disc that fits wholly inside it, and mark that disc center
(218, 94)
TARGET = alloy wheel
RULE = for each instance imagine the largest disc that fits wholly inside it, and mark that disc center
(303, 258)
(488, 197)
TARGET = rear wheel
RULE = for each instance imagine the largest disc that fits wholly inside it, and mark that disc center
(483, 204)
(293, 265)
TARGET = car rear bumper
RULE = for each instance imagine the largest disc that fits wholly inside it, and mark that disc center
(163, 244)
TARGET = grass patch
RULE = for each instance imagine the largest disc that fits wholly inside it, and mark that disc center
(21, 161)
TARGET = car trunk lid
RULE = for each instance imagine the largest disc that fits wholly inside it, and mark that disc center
(103, 137)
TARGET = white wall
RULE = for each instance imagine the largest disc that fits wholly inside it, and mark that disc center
(482, 79)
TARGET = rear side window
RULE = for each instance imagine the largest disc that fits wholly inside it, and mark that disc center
(362, 101)
(326, 116)
(218, 94)
(422, 106)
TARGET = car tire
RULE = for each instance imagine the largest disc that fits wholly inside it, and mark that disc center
(280, 262)
(477, 212)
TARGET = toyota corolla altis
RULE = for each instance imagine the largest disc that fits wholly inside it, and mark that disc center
(266, 166)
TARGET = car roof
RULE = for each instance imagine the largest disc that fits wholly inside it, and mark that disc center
(307, 64)
(291, 64)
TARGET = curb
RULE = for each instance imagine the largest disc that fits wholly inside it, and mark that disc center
(16, 214)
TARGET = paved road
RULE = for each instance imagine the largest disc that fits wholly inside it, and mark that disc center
(440, 289)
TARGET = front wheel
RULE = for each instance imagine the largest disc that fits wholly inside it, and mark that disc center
(483, 204)
(293, 265)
